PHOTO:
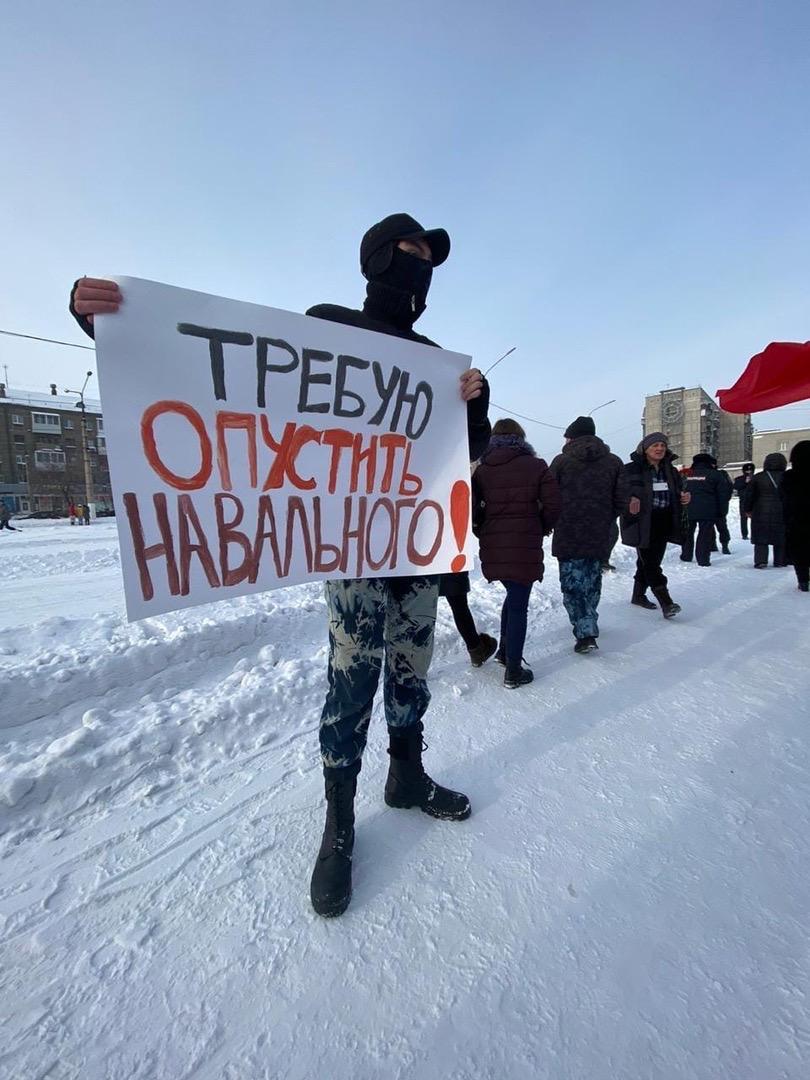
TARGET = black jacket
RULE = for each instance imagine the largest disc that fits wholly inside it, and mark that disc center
(741, 485)
(478, 426)
(594, 491)
(636, 527)
(763, 503)
(710, 491)
(794, 491)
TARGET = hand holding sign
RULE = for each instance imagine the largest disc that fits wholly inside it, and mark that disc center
(96, 296)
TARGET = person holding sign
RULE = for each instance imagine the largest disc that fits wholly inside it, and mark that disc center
(653, 518)
(375, 621)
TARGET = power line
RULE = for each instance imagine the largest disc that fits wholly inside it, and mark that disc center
(530, 418)
(51, 341)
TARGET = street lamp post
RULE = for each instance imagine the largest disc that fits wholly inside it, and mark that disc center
(88, 474)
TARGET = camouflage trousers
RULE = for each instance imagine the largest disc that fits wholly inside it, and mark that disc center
(581, 584)
(374, 621)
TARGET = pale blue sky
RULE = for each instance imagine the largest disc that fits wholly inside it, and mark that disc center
(625, 184)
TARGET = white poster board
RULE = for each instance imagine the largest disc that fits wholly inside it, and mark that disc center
(252, 448)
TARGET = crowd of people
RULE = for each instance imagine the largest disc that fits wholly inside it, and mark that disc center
(384, 627)
(518, 501)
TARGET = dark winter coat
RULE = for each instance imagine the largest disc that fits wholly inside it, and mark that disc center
(763, 503)
(794, 491)
(594, 491)
(741, 485)
(710, 491)
(521, 503)
(639, 473)
(372, 318)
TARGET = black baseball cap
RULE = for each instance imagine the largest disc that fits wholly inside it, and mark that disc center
(401, 227)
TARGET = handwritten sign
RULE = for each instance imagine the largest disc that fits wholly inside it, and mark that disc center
(252, 448)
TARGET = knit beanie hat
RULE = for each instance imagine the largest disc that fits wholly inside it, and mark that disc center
(652, 438)
(583, 425)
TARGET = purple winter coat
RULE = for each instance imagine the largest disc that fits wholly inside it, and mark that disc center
(517, 502)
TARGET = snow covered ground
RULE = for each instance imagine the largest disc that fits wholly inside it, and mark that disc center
(629, 900)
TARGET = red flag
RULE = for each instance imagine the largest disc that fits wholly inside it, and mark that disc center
(777, 376)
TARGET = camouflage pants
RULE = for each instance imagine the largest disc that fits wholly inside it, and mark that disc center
(581, 584)
(372, 620)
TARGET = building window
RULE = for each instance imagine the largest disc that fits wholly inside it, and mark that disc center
(783, 446)
(16, 419)
(68, 424)
(49, 460)
(47, 423)
(100, 424)
(19, 439)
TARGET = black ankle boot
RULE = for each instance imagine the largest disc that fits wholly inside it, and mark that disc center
(331, 886)
(517, 675)
(639, 597)
(483, 650)
(409, 785)
(668, 606)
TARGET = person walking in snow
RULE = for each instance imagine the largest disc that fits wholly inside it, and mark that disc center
(520, 504)
(740, 487)
(764, 507)
(455, 589)
(372, 621)
(653, 518)
(593, 490)
(5, 518)
(794, 491)
(726, 489)
(710, 493)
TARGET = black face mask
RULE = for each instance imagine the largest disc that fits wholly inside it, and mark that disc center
(402, 287)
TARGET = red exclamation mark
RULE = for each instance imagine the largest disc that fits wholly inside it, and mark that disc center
(460, 518)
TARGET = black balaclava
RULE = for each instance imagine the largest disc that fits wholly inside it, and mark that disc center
(398, 283)
(399, 293)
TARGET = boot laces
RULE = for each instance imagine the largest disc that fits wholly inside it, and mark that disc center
(342, 830)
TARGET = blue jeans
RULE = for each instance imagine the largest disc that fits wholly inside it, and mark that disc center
(513, 620)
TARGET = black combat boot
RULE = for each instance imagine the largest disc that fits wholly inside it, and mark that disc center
(639, 597)
(668, 606)
(483, 650)
(517, 675)
(331, 885)
(409, 785)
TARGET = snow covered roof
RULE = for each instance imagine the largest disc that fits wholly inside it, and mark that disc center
(48, 401)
